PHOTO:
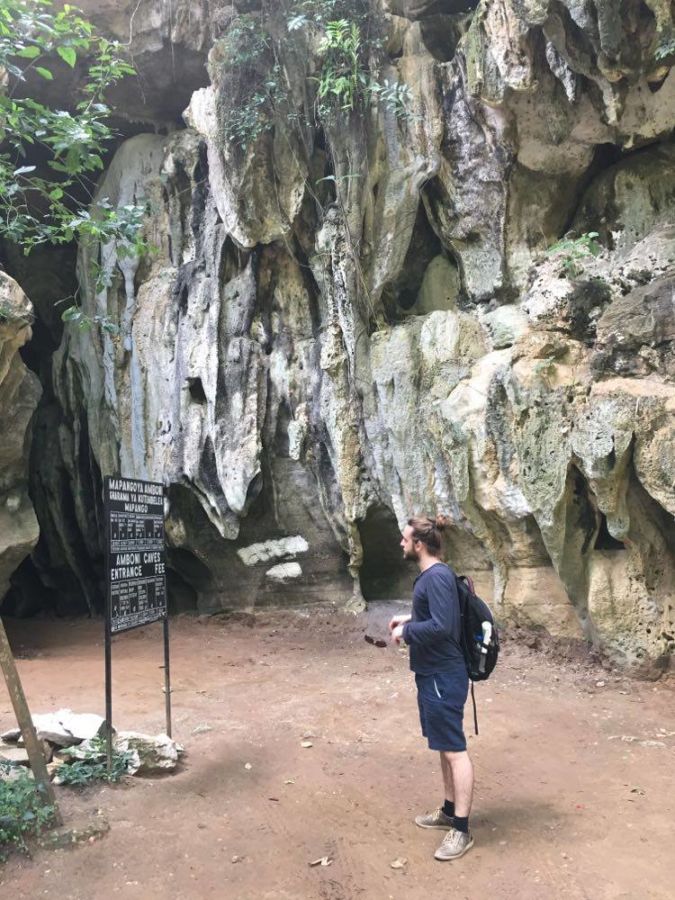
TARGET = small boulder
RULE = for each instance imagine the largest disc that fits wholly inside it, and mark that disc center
(15, 755)
(151, 754)
(62, 728)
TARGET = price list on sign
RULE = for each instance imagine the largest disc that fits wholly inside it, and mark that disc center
(135, 552)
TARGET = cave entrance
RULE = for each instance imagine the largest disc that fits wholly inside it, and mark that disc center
(604, 540)
(384, 574)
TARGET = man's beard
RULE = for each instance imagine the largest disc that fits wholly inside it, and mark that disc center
(411, 554)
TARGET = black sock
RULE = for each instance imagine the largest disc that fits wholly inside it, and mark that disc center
(449, 809)
(461, 823)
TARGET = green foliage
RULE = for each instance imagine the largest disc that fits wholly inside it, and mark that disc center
(663, 51)
(342, 78)
(22, 812)
(348, 47)
(395, 95)
(246, 49)
(94, 767)
(255, 115)
(246, 41)
(49, 157)
(571, 251)
(317, 13)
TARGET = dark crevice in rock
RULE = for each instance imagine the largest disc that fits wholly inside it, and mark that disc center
(582, 509)
(280, 445)
(69, 554)
(200, 194)
(579, 533)
(441, 33)
(580, 41)
(189, 567)
(584, 306)
(181, 288)
(183, 192)
(433, 197)
(28, 595)
(161, 90)
(48, 278)
(400, 296)
(63, 573)
(186, 513)
(181, 596)
(655, 84)
(423, 9)
(384, 573)
(312, 288)
(233, 260)
(196, 389)
(604, 157)
(208, 469)
(604, 540)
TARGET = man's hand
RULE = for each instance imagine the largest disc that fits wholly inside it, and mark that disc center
(397, 633)
(398, 620)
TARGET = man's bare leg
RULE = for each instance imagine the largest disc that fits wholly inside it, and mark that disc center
(447, 778)
(458, 839)
(461, 770)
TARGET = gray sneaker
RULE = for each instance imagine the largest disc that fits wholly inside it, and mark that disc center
(435, 819)
(454, 845)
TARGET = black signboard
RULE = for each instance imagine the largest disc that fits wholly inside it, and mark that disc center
(136, 572)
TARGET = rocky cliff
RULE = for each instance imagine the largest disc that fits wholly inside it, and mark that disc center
(455, 297)
(19, 395)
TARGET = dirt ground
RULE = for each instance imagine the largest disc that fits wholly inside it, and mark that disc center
(575, 774)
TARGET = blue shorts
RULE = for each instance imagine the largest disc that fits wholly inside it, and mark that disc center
(441, 700)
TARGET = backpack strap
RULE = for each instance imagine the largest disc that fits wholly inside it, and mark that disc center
(475, 714)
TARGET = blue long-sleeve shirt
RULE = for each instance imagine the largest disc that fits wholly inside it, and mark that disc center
(434, 632)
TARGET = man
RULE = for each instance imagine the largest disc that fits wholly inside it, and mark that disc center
(433, 634)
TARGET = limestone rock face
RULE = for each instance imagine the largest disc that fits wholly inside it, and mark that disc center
(350, 319)
(19, 394)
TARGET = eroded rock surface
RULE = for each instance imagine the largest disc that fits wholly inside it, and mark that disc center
(341, 325)
(19, 394)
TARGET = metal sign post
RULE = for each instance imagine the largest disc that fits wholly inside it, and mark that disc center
(34, 749)
(136, 573)
(167, 677)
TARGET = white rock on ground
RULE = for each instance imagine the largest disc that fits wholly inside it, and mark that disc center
(284, 571)
(266, 550)
(63, 727)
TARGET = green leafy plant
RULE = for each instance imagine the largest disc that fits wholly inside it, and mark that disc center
(349, 47)
(305, 13)
(253, 117)
(22, 812)
(342, 78)
(394, 94)
(246, 40)
(256, 83)
(345, 80)
(572, 251)
(50, 157)
(663, 51)
(94, 767)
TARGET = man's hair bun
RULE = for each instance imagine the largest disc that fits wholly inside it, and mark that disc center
(442, 522)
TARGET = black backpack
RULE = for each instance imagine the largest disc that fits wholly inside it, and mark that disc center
(480, 658)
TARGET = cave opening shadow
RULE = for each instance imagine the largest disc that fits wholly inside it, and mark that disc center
(384, 574)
